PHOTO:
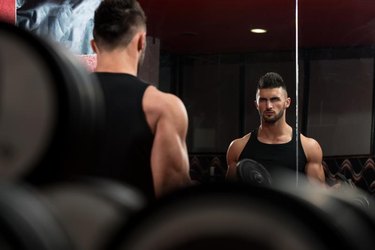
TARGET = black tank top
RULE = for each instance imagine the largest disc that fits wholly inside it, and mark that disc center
(126, 145)
(275, 156)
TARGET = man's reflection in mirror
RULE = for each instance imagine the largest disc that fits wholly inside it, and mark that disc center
(273, 142)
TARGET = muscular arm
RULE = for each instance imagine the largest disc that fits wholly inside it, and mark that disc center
(234, 150)
(314, 155)
(168, 120)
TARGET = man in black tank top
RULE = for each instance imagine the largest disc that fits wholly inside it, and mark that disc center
(144, 143)
(274, 144)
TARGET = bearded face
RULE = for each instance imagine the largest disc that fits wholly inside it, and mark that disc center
(269, 116)
(271, 104)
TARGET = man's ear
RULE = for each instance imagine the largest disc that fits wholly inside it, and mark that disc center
(288, 102)
(93, 46)
(142, 41)
(256, 104)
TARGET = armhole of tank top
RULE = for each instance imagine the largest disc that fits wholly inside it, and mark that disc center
(301, 146)
(246, 144)
(253, 135)
(255, 132)
(145, 87)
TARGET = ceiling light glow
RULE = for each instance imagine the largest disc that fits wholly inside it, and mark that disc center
(258, 31)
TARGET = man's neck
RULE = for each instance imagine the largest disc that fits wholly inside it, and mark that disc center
(116, 62)
(275, 132)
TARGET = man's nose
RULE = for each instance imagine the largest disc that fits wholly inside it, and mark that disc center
(269, 104)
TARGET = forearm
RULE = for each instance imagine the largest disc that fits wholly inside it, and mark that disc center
(170, 167)
(171, 180)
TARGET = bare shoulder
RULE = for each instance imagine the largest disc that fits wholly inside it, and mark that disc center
(240, 142)
(158, 104)
(156, 99)
(236, 146)
(311, 146)
(309, 142)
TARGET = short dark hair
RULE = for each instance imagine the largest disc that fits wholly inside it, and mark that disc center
(271, 80)
(116, 22)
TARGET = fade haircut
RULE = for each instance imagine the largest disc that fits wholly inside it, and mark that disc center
(271, 80)
(116, 22)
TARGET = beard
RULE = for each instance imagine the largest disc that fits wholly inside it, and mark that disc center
(272, 118)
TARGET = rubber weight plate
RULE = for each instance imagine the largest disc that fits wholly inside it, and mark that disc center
(51, 109)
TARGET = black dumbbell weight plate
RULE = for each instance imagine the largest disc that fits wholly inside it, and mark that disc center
(50, 108)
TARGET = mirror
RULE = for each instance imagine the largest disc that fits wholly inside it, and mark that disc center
(211, 59)
(338, 70)
(336, 48)
(204, 52)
